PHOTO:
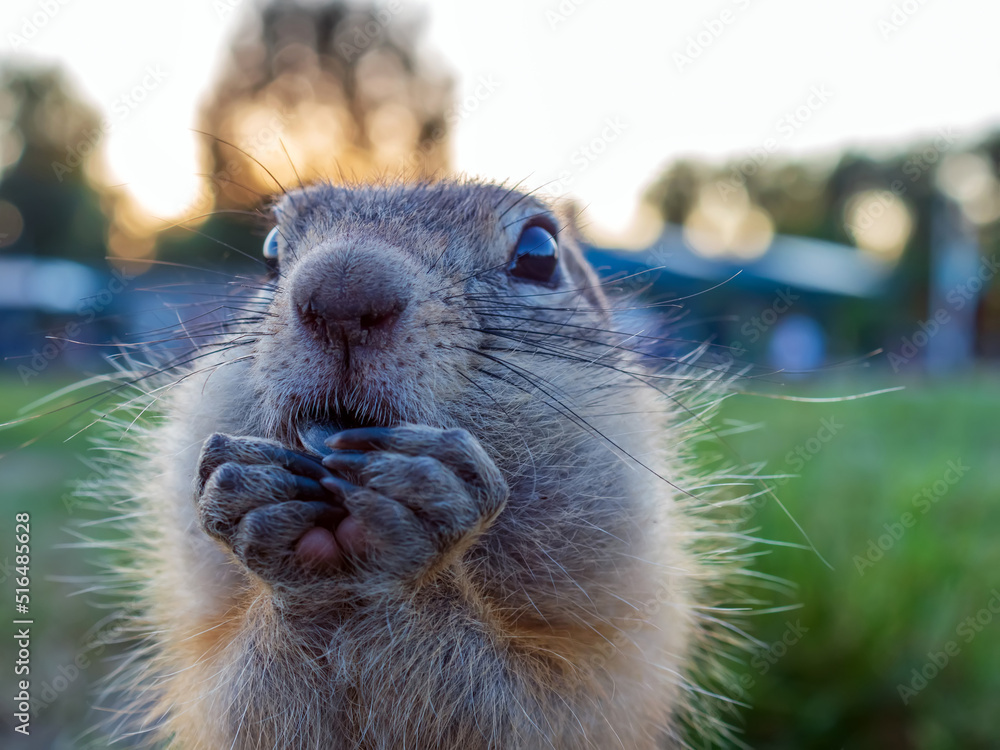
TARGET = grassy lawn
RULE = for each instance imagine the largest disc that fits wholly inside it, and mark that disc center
(35, 479)
(900, 493)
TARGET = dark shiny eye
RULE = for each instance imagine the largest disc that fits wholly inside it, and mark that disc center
(271, 247)
(536, 256)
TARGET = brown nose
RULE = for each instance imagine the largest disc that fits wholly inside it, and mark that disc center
(349, 300)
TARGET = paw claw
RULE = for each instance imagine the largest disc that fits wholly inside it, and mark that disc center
(361, 439)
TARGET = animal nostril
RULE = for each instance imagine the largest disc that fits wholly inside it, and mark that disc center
(351, 297)
(377, 319)
(307, 312)
(356, 314)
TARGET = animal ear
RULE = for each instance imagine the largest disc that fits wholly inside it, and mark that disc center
(571, 244)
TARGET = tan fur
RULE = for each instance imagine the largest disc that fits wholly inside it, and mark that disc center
(570, 620)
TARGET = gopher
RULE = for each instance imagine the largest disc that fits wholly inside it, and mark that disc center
(425, 491)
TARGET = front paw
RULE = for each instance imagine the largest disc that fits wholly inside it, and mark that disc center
(266, 504)
(421, 495)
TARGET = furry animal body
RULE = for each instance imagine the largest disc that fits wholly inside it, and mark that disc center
(423, 490)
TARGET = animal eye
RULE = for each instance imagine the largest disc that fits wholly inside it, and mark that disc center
(536, 255)
(271, 247)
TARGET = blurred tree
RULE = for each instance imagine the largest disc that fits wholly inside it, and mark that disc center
(48, 138)
(795, 196)
(886, 206)
(674, 193)
(341, 87)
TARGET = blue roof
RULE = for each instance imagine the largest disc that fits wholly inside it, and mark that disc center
(799, 262)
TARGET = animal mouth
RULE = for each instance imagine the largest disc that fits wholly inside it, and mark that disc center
(313, 430)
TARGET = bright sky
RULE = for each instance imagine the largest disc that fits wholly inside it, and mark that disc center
(589, 97)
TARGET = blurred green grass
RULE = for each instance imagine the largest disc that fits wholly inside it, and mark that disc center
(37, 467)
(869, 625)
(860, 633)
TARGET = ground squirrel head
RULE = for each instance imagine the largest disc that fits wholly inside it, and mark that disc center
(390, 301)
